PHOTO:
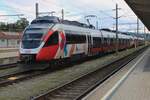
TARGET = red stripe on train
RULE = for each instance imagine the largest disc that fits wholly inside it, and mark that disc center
(47, 53)
(46, 36)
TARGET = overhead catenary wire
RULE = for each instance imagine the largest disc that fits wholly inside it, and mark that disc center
(78, 12)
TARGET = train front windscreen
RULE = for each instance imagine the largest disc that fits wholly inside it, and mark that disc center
(32, 37)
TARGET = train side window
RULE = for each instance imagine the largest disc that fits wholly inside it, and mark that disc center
(105, 41)
(75, 38)
(68, 38)
(111, 41)
(119, 41)
(52, 40)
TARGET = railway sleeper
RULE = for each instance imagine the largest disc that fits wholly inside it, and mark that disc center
(69, 93)
(60, 97)
(72, 90)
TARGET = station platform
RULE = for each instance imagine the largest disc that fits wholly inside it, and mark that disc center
(8, 55)
(131, 83)
(8, 52)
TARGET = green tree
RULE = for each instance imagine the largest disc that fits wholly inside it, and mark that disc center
(18, 26)
(3, 26)
(21, 24)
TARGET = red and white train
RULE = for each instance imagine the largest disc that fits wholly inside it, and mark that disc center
(47, 40)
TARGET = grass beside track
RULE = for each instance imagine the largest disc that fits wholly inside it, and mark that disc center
(5, 72)
(24, 90)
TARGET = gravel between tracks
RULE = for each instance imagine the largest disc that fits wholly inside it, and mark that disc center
(24, 90)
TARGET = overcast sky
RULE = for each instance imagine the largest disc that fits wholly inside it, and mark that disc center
(74, 10)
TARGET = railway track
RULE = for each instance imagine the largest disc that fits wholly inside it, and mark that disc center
(20, 76)
(78, 88)
(7, 66)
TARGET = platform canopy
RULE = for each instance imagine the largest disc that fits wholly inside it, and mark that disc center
(142, 9)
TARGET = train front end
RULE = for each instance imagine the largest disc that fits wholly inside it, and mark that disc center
(32, 42)
(35, 47)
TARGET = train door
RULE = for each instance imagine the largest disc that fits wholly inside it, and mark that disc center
(102, 41)
(89, 44)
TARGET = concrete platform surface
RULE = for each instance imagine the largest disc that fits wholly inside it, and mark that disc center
(131, 83)
(137, 85)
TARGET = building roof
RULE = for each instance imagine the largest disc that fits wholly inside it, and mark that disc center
(142, 9)
(4, 35)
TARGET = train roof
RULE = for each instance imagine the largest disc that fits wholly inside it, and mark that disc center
(40, 26)
(48, 21)
(54, 19)
(95, 33)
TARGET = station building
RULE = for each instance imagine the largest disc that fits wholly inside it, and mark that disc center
(9, 39)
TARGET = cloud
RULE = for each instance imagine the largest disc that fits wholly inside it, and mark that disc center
(77, 18)
(74, 9)
(4, 18)
(28, 7)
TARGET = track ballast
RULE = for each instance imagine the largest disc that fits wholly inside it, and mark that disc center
(78, 88)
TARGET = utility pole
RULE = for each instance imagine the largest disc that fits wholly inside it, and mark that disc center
(137, 31)
(117, 27)
(62, 13)
(116, 24)
(36, 10)
(145, 34)
(97, 25)
(137, 25)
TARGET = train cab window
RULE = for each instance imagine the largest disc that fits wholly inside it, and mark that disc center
(52, 40)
